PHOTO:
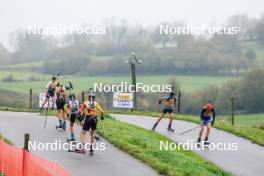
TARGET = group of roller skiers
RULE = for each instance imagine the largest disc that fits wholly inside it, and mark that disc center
(68, 106)
(207, 117)
(86, 113)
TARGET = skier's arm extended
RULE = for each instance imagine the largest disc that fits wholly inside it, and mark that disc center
(162, 99)
(99, 108)
(213, 111)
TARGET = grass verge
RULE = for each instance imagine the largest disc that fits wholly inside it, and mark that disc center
(17, 109)
(144, 145)
(253, 133)
(6, 140)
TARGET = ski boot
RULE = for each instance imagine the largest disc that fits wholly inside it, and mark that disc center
(91, 150)
(63, 126)
(206, 142)
(170, 129)
(154, 127)
(199, 142)
(59, 126)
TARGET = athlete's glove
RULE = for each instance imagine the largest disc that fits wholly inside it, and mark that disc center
(212, 123)
(160, 101)
(102, 116)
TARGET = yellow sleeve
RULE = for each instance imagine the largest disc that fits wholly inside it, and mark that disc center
(99, 108)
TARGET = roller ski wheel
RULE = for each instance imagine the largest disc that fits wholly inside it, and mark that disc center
(170, 130)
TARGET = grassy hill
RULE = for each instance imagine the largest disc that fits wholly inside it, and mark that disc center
(13, 99)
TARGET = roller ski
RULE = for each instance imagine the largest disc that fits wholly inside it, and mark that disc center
(72, 140)
(80, 151)
(206, 142)
(199, 142)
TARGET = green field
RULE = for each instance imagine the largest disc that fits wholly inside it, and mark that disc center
(246, 119)
(23, 76)
(187, 83)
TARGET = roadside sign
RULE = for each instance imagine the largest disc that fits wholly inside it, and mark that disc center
(42, 97)
(123, 100)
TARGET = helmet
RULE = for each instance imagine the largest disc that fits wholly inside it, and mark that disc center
(71, 96)
(208, 106)
(91, 96)
(53, 78)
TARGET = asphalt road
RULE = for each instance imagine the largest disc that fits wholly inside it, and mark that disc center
(247, 160)
(110, 162)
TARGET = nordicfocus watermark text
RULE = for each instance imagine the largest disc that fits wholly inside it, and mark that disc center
(198, 30)
(125, 87)
(58, 145)
(191, 145)
(59, 29)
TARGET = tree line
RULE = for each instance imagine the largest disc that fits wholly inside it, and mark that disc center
(219, 54)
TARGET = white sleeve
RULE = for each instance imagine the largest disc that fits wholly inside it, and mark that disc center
(47, 86)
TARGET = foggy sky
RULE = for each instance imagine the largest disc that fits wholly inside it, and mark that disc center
(21, 13)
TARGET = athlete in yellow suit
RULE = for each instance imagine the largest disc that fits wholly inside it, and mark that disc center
(90, 109)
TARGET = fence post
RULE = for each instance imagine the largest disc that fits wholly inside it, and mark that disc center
(83, 96)
(179, 102)
(27, 136)
(25, 151)
(233, 110)
(30, 98)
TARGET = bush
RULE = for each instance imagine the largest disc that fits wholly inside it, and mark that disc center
(33, 78)
(252, 91)
(10, 78)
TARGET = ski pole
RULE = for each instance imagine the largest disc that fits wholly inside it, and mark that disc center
(189, 130)
(46, 115)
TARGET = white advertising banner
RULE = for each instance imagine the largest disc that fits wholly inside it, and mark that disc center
(42, 97)
(123, 100)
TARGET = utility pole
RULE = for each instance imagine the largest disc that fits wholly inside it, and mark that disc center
(134, 83)
(132, 62)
